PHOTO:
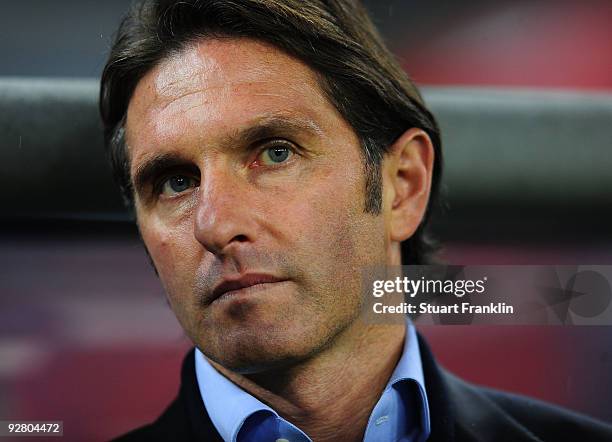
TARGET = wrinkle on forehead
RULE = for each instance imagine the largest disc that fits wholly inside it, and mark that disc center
(201, 68)
(183, 71)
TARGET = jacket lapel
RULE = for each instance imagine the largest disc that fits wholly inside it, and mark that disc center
(440, 411)
(189, 395)
(462, 412)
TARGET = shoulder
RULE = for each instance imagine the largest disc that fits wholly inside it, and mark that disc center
(461, 411)
(481, 409)
(172, 425)
(185, 418)
(554, 422)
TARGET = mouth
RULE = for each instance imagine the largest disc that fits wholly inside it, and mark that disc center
(243, 284)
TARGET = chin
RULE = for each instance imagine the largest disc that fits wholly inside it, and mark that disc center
(248, 351)
(253, 358)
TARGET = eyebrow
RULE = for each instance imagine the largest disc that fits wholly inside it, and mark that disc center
(268, 126)
(155, 166)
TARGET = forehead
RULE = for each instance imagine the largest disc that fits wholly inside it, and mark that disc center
(218, 84)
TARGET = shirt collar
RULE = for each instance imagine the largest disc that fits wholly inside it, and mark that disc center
(410, 368)
(221, 395)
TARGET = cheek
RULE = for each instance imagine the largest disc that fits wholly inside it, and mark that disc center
(331, 224)
(170, 251)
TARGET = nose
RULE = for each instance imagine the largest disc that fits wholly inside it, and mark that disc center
(222, 216)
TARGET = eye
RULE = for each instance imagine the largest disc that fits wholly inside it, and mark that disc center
(177, 184)
(275, 155)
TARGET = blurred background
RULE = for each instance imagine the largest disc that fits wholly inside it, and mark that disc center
(523, 91)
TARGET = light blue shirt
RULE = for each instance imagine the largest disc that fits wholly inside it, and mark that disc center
(401, 413)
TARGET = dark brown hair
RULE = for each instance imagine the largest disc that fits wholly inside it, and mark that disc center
(336, 38)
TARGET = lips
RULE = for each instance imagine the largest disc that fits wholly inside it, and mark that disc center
(244, 281)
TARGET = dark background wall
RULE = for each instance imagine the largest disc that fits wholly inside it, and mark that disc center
(543, 43)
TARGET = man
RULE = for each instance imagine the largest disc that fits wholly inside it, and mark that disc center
(272, 150)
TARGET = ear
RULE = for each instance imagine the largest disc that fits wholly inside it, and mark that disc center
(407, 173)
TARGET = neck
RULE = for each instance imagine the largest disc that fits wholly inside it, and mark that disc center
(335, 391)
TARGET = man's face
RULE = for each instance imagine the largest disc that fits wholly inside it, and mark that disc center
(249, 190)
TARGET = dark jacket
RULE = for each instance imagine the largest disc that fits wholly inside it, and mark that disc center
(459, 412)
